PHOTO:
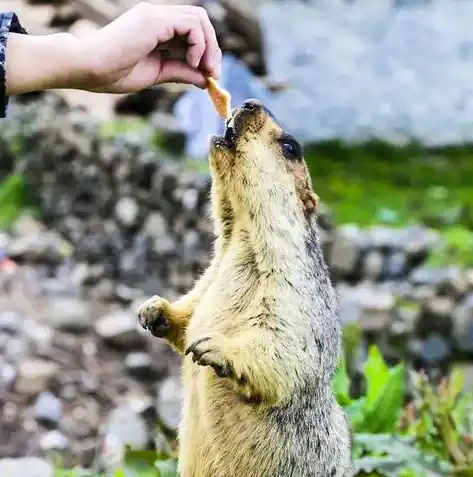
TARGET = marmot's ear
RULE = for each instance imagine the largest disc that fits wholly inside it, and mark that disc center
(311, 201)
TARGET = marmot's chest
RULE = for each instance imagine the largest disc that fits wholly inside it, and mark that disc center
(224, 305)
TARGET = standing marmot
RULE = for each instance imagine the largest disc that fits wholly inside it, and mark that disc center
(260, 329)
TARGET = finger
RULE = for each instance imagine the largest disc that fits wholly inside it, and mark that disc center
(180, 72)
(212, 57)
(190, 25)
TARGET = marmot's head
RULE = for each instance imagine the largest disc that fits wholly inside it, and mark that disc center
(260, 165)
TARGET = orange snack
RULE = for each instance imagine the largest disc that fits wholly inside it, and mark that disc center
(221, 98)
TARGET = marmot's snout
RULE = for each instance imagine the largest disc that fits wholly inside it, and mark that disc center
(251, 115)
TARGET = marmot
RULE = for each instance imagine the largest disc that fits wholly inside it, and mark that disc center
(259, 332)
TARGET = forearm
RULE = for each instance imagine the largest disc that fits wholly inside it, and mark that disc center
(38, 62)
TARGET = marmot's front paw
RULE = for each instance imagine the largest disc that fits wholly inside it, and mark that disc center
(207, 352)
(152, 316)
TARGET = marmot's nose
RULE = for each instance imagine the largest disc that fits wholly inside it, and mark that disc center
(252, 104)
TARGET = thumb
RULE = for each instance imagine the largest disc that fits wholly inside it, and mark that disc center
(175, 71)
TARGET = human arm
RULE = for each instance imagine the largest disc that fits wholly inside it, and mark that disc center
(120, 57)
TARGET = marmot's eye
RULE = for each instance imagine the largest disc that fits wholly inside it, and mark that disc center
(290, 147)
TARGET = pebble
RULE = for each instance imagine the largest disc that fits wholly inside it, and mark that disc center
(10, 322)
(127, 211)
(345, 250)
(120, 329)
(54, 441)
(70, 314)
(127, 427)
(437, 315)
(169, 402)
(140, 366)
(435, 350)
(34, 375)
(25, 467)
(463, 325)
(48, 409)
(373, 265)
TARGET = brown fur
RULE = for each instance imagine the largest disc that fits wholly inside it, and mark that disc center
(259, 332)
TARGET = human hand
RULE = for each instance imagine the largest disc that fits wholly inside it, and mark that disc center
(123, 57)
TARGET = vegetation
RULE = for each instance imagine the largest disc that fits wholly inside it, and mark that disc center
(429, 436)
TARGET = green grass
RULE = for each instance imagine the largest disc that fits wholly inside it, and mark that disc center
(375, 182)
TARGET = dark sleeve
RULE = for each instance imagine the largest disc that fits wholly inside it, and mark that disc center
(9, 23)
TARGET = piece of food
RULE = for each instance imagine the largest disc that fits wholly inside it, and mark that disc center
(220, 98)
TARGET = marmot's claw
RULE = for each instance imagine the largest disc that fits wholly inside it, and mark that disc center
(205, 354)
(151, 316)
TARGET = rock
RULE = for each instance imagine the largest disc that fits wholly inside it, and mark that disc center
(127, 427)
(169, 402)
(40, 336)
(7, 375)
(455, 284)
(172, 136)
(26, 467)
(47, 247)
(10, 322)
(396, 265)
(47, 409)
(407, 316)
(345, 250)
(34, 375)
(418, 241)
(463, 325)
(374, 306)
(434, 350)
(26, 225)
(423, 293)
(469, 278)
(54, 441)
(372, 266)
(127, 212)
(120, 329)
(70, 314)
(437, 316)
(155, 225)
(140, 366)
(15, 348)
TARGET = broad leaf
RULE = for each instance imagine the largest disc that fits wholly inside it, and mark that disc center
(166, 468)
(376, 374)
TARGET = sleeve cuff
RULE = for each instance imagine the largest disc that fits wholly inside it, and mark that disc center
(9, 23)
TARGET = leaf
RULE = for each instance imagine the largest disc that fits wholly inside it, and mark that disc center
(455, 385)
(389, 466)
(356, 414)
(12, 192)
(376, 373)
(341, 385)
(384, 413)
(140, 459)
(166, 468)
(389, 449)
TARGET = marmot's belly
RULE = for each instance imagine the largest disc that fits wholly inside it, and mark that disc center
(221, 436)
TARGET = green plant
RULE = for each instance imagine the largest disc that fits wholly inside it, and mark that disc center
(456, 248)
(12, 199)
(441, 420)
(379, 410)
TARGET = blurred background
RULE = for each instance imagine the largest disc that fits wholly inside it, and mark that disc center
(103, 202)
